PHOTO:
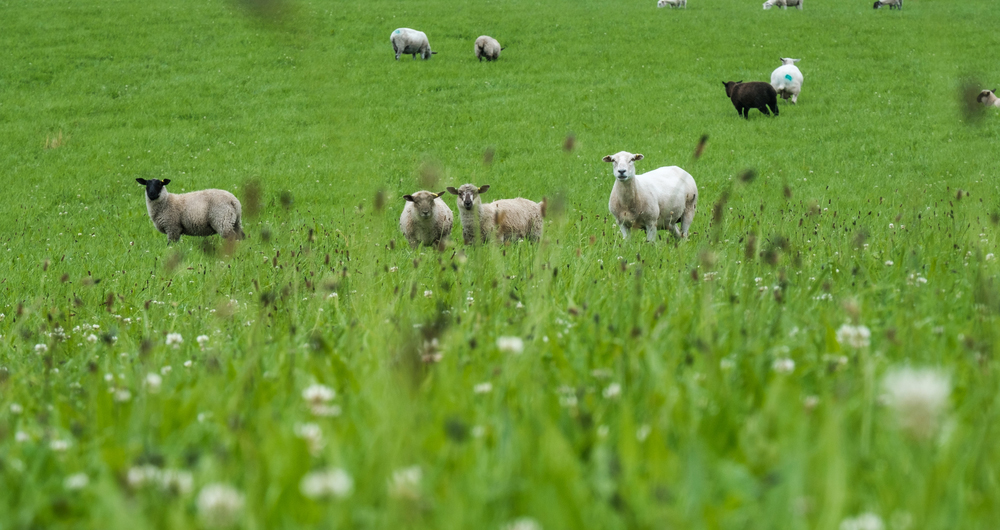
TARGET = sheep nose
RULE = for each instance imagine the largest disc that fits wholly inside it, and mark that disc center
(621, 172)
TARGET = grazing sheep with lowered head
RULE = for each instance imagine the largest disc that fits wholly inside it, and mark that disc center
(197, 213)
(787, 79)
(487, 48)
(662, 198)
(406, 40)
(672, 3)
(893, 4)
(784, 4)
(753, 95)
(510, 219)
(426, 219)
(988, 98)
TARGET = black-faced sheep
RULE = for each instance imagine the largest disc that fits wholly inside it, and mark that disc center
(507, 219)
(988, 98)
(197, 213)
(426, 219)
(662, 198)
(753, 95)
(406, 40)
(487, 48)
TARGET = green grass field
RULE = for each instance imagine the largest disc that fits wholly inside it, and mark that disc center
(654, 389)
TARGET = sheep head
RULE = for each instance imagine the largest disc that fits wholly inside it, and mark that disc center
(623, 164)
(153, 187)
(730, 86)
(423, 201)
(786, 60)
(468, 195)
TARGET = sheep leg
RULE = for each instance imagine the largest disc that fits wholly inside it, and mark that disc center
(624, 230)
(173, 236)
(763, 108)
(774, 107)
(690, 206)
(651, 232)
(795, 97)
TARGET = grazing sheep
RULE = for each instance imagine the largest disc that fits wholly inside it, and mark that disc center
(672, 3)
(197, 213)
(487, 48)
(661, 198)
(753, 95)
(893, 4)
(406, 40)
(787, 79)
(988, 98)
(784, 4)
(511, 219)
(426, 219)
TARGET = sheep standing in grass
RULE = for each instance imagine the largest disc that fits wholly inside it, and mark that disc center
(893, 4)
(672, 3)
(509, 219)
(426, 219)
(753, 95)
(787, 80)
(198, 213)
(784, 4)
(487, 48)
(662, 198)
(988, 98)
(411, 41)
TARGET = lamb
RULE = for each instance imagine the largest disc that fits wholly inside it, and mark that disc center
(661, 198)
(487, 48)
(672, 3)
(988, 98)
(787, 79)
(197, 213)
(753, 95)
(783, 4)
(426, 219)
(893, 4)
(406, 40)
(510, 219)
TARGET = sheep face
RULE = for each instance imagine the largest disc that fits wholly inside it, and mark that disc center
(468, 195)
(730, 85)
(984, 96)
(623, 164)
(767, 5)
(423, 201)
(661, 3)
(154, 187)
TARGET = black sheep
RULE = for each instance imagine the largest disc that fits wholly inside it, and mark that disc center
(752, 95)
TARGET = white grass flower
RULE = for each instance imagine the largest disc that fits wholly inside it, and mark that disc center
(153, 382)
(888, 263)
(122, 395)
(165, 370)
(16, 408)
(854, 336)
(483, 388)
(318, 394)
(783, 366)
(92, 338)
(989, 257)
(202, 341)
(919, 397)
(510, 345)
(312, 435)
(643, 432)
(77, 481)
(175, 340)
(220, 505)
(2, 316)
(331, 482)
(187, 364)
(864, 521)
(428, 293)
(523, 523)
(21, 437)
(41, 348)
(177, 481)
(810, 402)
(59, 445)
(140, 476)
(612, 391)
(405, 483)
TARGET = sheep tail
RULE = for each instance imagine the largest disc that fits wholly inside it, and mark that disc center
(544, 205)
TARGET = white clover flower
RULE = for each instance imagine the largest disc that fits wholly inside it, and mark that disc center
(483, 388)
(2, 316)
(918, 397)
(510, 344)
(311, 434)
(77, 481)
(864, 521)
(331, 482)
(523, 523)
(478, 431)
(393, 269)
(219, 505)
(643, 432)
(888, 263)
(16, 408)
(202, 341)
(428, 293)
(783, 366)
(41, 348)
(854, 336)
(59, 445)
(726, 364)
(318, 394)
(140, 476)
(810, 402)
(165, 370)
(122, 395)
(187, 364)
(21, 437)
(153, 382)
(612, 391)
(91, 338)
(989, 257)
(175, 340)
(405, 483)
(176, 480)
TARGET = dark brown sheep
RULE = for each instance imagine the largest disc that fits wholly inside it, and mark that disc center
(753, 95)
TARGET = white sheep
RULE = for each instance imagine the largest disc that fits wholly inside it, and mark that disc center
(787, 79)
(197, 213)
(406, 40)
(672, 3)
(989, 98)
(784, 4)
(510, 219)
(661, 198)
(487, 48)
(426, 219)
(893, 4)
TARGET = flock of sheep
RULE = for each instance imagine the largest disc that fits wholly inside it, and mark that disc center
(784, 4)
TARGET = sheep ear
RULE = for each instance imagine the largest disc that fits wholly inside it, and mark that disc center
(484, 188)
(608, 159)
(166, 181)
(637, 157)
(725, 83)
(452, 190)
(141, 181)
(740, 81)
(408, 198)
(440, 194)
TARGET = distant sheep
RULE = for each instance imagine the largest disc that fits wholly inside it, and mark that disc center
(989, 98)
(487, 48)
(754, 95)
(426, 219)
(893, 4)
(197, 213)
(784, 4)
(672, 3)
(507, 219)
(787, 80)
(406, 40)
(662, 198)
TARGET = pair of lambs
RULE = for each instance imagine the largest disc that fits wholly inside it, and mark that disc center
(893, 4)
(786, 81)
(413, 42)
(427, 220)
(198, 213)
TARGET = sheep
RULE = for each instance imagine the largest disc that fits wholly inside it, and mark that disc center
(487, 48)
(783, 4)
(988, 98)
(661, 198)
(197, 213)
(672, 3)
(893, 4)
(511, 219)
(426, 219)
(753, 95)
(787, 79)
(406, 40)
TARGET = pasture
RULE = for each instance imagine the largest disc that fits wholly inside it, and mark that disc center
(703, 384)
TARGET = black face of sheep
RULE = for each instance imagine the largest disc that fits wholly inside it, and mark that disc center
(153, 187)
(752, 95)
